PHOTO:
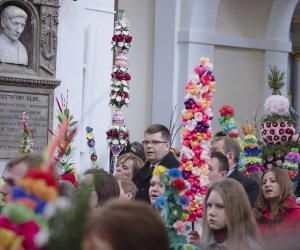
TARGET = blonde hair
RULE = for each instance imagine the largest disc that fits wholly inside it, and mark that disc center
(128, 186)
(241, 224)
(137, 161)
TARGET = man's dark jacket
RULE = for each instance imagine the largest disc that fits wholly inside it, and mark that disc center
(251, 186)
(142, 178)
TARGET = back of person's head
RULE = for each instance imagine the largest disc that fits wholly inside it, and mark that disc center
(159, 128)
(106, 187)
(67, 189)
(286, 191)
(241, 224)
(230, 145)
(138, 149)
(222, 159)
(220, 133)
(128, 186)
(32, 160)
(124, 225)
(137, 162)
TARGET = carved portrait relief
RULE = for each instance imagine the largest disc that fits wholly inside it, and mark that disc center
(13, 21)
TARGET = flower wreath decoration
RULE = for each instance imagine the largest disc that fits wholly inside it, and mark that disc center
(173, 206)
(117, 137)
(121, 40)
(196, 135)
(119, 95)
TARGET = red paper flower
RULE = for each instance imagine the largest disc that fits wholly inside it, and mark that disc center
(179, 183)
(128, 39)
(71, 178)
(49, 177)
(227, 110)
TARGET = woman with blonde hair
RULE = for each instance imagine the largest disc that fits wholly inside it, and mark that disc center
(277, 214)
(228, 222)
(127, 165)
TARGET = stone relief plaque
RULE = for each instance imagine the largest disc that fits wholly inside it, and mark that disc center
(12, 104)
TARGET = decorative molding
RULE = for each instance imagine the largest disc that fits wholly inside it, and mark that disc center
(47, 2)
(234, 41)
(11, 80)
(296, 54)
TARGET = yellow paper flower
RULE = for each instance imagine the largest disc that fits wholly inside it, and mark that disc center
(9, 240)
(187, 114)
(204, 169)
(205, 104)
(39, 188)
(194, 143)
(184, 132)
(185, 216)
(159, 170)
(193, 205)
(90, 135)
(212, 87)
(204, 60)
(193, 90)
(188, 166)
(201, 136)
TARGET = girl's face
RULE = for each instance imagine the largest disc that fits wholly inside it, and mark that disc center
(156, 189)
(216, 216)
(270, 186)
(125, 169)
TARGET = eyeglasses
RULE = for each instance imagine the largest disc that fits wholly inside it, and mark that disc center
(145, 143)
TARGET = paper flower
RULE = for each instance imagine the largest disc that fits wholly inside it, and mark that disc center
(173, 206)
(121, 40)
(26, 142)
(291, 163)
(196, 134)
(91, 144)
(119, 95)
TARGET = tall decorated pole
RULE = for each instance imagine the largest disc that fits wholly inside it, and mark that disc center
(196, 135)
(117, 135)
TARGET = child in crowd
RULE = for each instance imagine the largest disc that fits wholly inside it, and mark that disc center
(156, 189)
(128, 189)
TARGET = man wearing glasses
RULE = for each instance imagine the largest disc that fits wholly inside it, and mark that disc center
(157, 150)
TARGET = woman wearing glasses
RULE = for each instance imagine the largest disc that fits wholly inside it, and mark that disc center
(156, 143)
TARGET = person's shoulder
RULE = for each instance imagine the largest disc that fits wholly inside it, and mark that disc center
(170, 161)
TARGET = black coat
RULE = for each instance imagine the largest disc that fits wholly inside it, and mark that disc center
(251, 186)
(142, 178)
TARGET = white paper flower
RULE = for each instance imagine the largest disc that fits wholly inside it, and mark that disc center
(123, 69)
(118, 32)
(196, 171)
(115, 142)
(118, 27)
(191, 124)
(119, 98)
(209, 112)
(276, 104)
(124, 83)
(113, 97)
(187, 152)
(127, 45)
(121, 44)
(125, 89)
(208, 66)
(122, 141)
(42, 238)
(117, 83)
(116, 89)
(195, 78)
(125, 32)
(126, 100)
(198, 116)
(115, 69)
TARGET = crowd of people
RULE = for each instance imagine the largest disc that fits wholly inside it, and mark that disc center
(239, 212)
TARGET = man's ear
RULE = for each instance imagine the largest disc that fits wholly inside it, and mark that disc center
(129, 196)
(224, 173)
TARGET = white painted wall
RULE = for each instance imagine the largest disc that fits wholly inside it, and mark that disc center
(86, 22)
(141, 17)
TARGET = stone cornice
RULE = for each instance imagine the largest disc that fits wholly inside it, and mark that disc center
(34, 82)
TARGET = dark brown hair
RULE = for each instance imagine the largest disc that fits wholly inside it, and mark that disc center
(222, 159)
(286, 191)
(127, 225)
(230, 145)
(106, 187)
(156, 128)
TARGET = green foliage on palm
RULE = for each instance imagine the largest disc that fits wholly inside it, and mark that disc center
(276, 80)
